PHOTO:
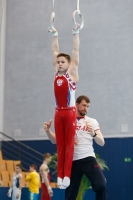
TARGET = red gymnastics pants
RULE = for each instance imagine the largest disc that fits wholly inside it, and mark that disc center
(65, 127)
(45, 195)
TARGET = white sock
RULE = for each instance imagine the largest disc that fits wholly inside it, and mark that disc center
(66, 182)
(59, 182)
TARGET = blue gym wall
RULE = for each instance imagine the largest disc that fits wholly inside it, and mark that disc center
(120, 175)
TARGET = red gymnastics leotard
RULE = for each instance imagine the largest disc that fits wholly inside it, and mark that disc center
(65, 122)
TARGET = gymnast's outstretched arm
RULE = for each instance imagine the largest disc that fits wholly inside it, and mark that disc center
(55, 49)
(75, 51)
(73, 69)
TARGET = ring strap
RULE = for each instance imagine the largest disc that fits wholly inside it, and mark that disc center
(50, 28)
(77, 5)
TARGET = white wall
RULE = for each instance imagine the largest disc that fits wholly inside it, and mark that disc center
(2, 58)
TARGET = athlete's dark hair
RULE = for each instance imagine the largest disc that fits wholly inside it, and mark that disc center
(82, 97)
(34, 166)
(64, 55)
(19, 165)
(46, 155)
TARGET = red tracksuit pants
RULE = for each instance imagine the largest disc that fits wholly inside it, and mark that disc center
(65, 127)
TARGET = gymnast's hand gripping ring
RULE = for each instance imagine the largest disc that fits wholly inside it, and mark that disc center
(51, 28)
(77, 26)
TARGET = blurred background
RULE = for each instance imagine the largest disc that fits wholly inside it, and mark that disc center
(105, 76)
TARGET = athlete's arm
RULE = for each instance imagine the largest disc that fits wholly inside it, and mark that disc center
(10, 189)
(49, 133)
(11, 186)
(75, 51)
(73, 69)
(44, 170)
(55, 50)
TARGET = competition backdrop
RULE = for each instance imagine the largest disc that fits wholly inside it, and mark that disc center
(105, 71)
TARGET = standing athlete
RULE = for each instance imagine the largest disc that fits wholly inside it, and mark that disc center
(45, 178)
(16, 186)
(84, 161)
(34, 182)
(66, 78)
